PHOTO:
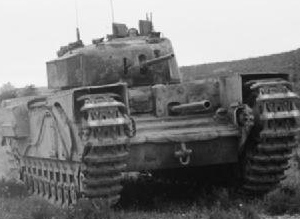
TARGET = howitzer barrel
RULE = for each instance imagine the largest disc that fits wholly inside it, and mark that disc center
(158, 60)
(194, 106)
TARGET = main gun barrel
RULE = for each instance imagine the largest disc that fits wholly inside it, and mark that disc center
(194, 106)
(158, 60)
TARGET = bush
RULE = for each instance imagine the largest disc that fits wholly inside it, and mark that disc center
(8, 95)
(7, 91)
(12, 188)
(29, 90)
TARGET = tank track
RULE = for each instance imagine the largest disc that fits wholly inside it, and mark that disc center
(102, 174)
(105, 133)
(53, 180)
(273, 137)
(105, 136)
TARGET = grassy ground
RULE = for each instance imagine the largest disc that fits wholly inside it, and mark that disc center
(210, 203)
(35, 208)
(162, 200)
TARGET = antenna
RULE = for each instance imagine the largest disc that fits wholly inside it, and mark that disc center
(112, 11)
(77, 23)
(77, 34)
(151, 21)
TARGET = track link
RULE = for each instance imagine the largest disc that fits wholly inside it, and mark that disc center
(53, 180)
(102, 173)
(273, 137)
(106, 151)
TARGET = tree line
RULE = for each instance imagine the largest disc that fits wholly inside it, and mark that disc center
(8, 91)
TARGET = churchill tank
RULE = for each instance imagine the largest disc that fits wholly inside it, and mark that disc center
(119, 106)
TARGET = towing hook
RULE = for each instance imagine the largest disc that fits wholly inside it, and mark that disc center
(183, 154)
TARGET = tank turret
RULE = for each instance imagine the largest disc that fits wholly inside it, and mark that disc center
(137, 57)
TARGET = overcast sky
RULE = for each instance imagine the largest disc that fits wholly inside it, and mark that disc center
(31, 31)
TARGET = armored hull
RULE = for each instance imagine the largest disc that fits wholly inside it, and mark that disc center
(119, 106)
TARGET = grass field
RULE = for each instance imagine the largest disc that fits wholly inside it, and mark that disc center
(161, 200)
(210, 203)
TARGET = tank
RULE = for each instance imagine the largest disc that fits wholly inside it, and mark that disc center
(118, 106)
